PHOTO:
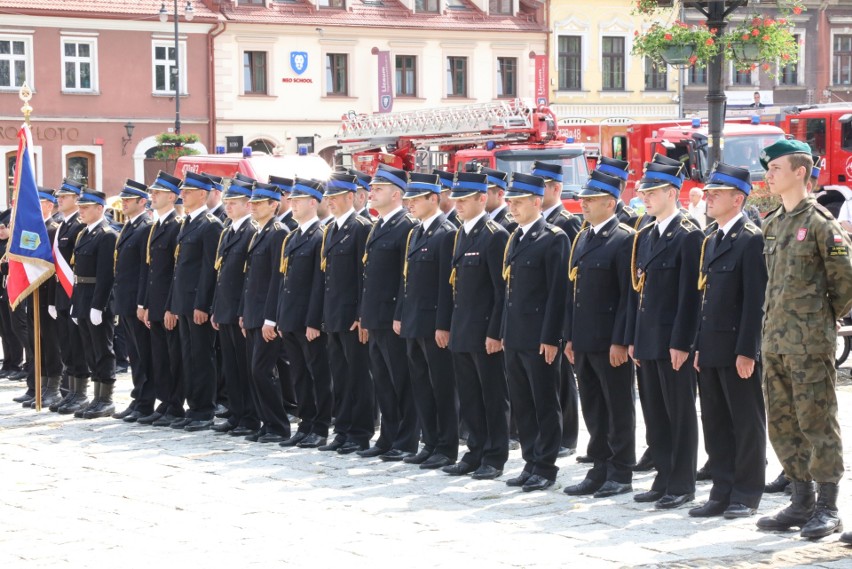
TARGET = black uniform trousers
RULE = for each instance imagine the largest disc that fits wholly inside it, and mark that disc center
(167, 369)
(139, 351)
(51, 360)
(237, 377)
(606, 395)
(734, 420)
(21, 326)
(399, 429)
(569, 402)
(534, 389)
(13, 350)
(71, 344)
(97, 342)
(483, 406)
(121, 344)
(199, 382)
(671, 424)
(354, 398)
(288, 387)
(265, 383)
(433, 385)
(309, 370)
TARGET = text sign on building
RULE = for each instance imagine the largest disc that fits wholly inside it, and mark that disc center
(385, 86)
(299, 64)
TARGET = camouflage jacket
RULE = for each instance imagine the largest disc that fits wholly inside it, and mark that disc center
(810, 279)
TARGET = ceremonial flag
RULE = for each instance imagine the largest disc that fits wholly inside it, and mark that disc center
(29, 252)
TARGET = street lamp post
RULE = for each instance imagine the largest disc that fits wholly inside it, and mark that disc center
(164, 17)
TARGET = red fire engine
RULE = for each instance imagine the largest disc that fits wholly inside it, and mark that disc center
(685, 140)
(506, 135)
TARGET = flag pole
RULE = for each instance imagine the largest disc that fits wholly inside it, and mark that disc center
(25, 95)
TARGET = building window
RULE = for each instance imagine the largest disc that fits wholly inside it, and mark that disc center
(336, 74)
(500, 7)
(78, 62)
(842, 67)
(741, 77)
(570, 63)
(656, 78)
(166, 70)
(507, 77)
(254, 72)
(15, 58)
(339, 4)
(697, 75)
(80, 166)
(456, 77)
(406, 76)
(612, 52)
(427, 6)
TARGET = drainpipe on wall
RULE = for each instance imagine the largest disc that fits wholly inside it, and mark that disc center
(211, 81)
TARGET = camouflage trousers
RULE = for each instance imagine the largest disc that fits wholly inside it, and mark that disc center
(801, 409)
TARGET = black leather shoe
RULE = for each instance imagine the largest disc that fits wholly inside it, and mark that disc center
(394, 455)
(19, 375)
(418, 458)
(149, 419)
(437, 460)
(846, 537)
(371, 452)
(613, 488)
(565, 451)
(312, 441)
(198, 425)
(123, 414)
(294, 440)
(180, 423)
(703, 473)
(778, 485)
(735, 511)
(519, 480)
(350, 446)
(166, 420)
(332, 446)
(536, 482)
(242, 431)
(645, 463)
(649, 496)
(224, 427)
(459, 469)
(671, 501)
(584, 459)
(584, 488)
(485, 472)
(271, 438)
(709, 509)
(134, 416)
(253, 436)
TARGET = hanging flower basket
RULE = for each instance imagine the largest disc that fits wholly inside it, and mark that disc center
(644, 7)
(678, 44)
(761, 39)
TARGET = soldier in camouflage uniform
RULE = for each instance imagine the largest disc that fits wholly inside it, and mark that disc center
(809, 288)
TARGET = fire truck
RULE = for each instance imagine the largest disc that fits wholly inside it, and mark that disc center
(686, 140)
(828, 130)
(507, 135)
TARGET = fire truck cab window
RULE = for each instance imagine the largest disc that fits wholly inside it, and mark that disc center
(846, 133)
(815, 135)
(619, 147)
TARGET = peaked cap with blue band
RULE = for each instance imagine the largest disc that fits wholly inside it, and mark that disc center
(243, 178)
(496, 177)
(166, 183)
(237, 189)
(783, 148)
(217, 181)
(525, 185)
(342, 182)
(659, 176)
(447, 179)
(422, 185)
(469, 183)
(550, 172)
(263, 192)
(195, 181)
(307, 188)
(727, 177)
(47, 194)
(92, 197)
(601, 184)
(613, 167)
(134, 189)
(361, 178)
(389, 175)
(69, 187)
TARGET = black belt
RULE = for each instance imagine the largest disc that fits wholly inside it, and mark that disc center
(85, 280)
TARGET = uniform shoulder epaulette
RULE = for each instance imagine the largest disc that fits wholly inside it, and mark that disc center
(628, 210)
(566, 214)
(626, 227)
(179, 218)
(509, 217)
(211, 217)
(361, 219)
(823, 211)
(254, 224)
(492, 225)
(277, 225)
(688, 225)
(711, 227)
(556, 229)
(751, 228)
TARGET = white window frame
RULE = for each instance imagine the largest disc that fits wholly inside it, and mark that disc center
(92, 60)
(27, 58)
(836, 32)
(800, 65)
(468, 74)
(617, 28)
(182, 81)
(350, 71)
(732, 71)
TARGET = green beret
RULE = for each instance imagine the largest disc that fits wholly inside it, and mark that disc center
(782, 148)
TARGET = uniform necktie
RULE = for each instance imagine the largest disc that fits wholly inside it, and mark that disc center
(719, 236)
(592, 233)
(520, 234)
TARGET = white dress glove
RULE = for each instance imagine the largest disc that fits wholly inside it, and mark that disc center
(52, 311)
(96, 317)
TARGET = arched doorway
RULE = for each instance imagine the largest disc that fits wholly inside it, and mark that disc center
(145, 149)
(264, 145)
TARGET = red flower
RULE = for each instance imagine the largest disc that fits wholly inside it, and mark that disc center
(753, 66)
(709, 41)
(782, 21)
(635, 32)
(667, 37)
(797, 10)
(756, 21)
(714, 30)
(755, 32)
(766, 67)
(785, 56)
(765, 38)
(745, 37)
(693, 59)
(768, 22)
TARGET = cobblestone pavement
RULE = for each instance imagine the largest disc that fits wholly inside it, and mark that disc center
(103, 493)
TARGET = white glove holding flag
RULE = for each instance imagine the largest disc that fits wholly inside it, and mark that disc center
(52, 311)
(96, 317)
